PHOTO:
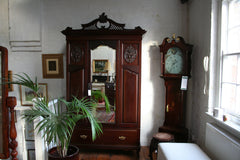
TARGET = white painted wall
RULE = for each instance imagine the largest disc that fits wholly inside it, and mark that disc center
(4, 36)
(160, 18)
(199, 35)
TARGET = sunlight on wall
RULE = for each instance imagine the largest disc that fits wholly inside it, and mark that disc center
(151, 104)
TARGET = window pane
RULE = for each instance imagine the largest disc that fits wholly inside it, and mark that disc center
(234, 27)
(238, 79)
(233, 40)
(234, 14)
(237, 108)
(228, 99)
(230, 65)
(224, 27)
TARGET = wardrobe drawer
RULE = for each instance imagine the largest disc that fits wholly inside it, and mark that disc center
(120, 137)
(83, 136)
(109, 137)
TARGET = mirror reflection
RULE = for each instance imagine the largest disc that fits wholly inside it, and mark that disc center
(103, 78)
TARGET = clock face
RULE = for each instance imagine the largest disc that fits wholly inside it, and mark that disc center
(173, 61)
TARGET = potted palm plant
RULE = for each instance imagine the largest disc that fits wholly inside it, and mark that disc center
(56, 125)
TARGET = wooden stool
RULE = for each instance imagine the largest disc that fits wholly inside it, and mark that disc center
(157, 138)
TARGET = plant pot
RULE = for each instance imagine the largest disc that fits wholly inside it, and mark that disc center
(72, 154)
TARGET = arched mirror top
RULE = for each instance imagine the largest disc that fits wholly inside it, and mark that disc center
(96, 43)
(4, 120)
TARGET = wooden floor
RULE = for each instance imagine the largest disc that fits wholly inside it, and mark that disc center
(116, 155)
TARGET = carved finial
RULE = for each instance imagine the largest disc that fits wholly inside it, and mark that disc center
(103, 23)
(103, 18)
(174, 38)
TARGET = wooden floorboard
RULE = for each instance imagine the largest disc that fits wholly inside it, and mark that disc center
(116, 155)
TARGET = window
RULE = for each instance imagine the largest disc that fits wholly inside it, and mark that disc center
(229, 59)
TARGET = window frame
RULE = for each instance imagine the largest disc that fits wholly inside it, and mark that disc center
(216, 61)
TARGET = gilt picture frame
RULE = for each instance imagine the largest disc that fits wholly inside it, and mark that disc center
(100, 65)
(52, 65)
(10, 86)
(26, 94)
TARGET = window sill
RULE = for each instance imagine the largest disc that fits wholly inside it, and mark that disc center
(227, 125)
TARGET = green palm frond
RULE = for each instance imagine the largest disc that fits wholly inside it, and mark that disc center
(57, 125)
(86, 107)
(24, 80)
(99, 95)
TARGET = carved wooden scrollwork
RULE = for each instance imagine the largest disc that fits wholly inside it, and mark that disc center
(103, 26)
(76, 53)
(103, 23)
(130, 54)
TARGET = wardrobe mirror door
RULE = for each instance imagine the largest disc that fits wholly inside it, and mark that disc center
(4, 120)
(103, 79)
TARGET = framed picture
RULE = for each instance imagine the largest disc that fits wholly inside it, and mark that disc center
(26, 94)
(31, 154)
(15, 115)
(52, 65)
(10, 86)
(29, 131)
(100, 66)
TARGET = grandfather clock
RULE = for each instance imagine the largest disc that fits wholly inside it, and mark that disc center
(175, 70)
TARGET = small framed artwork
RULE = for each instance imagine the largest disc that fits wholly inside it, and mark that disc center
(26, 94)
(100, 66)
(52, 65)
(31, 154)
(29, 131)
(15, 115)
(10, 86)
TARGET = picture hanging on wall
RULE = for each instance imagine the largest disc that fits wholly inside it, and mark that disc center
(27, 94)
(10, 86)
(52, 65)
(31, 154)
(29, 131)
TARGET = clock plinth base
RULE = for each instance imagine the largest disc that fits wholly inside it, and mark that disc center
(180, 133)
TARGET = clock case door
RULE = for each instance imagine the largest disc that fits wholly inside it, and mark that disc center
(175, 102)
